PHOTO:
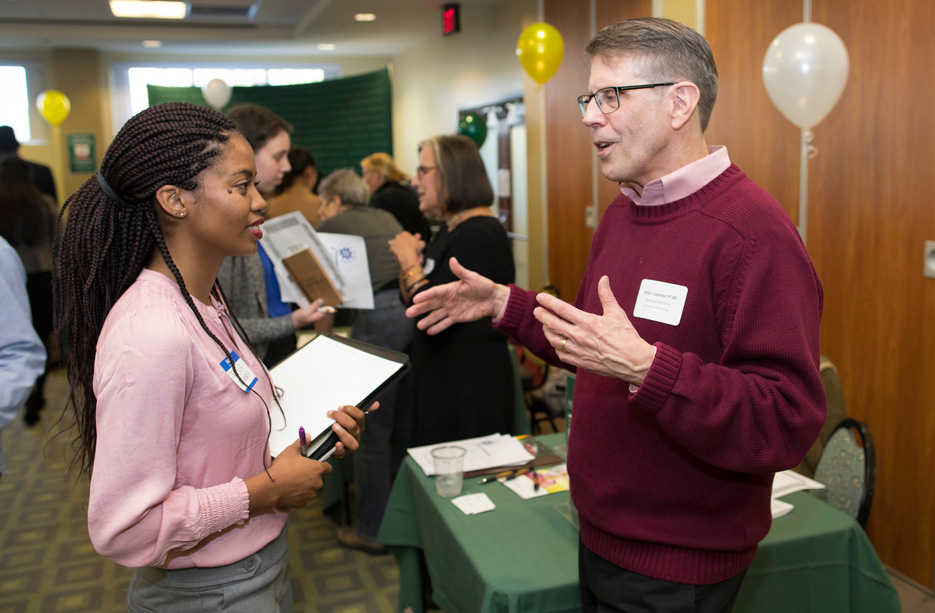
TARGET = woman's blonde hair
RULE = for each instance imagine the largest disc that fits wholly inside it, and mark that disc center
(384, 164)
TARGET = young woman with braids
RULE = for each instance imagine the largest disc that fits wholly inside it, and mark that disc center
(181, 485)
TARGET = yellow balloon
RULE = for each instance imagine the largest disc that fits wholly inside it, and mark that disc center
(540, 49)
(54, 106)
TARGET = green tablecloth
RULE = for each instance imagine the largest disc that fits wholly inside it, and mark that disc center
(522, 556)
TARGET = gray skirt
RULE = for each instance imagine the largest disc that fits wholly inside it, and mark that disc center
(257, 584)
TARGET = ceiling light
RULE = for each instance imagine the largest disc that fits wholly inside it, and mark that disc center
(327, 47)
(365, 16)
(149, 9)
(153, 44)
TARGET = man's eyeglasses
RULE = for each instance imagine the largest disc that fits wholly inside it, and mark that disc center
(424, 170)
(607, 98)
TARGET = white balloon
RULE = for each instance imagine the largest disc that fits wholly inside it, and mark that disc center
(217, 93)
(805, 71)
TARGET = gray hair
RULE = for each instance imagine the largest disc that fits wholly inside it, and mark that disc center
(347, 185)
(666, 51)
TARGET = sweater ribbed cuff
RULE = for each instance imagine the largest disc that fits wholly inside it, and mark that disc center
(515, 309)
(660, 379)
(223, 505)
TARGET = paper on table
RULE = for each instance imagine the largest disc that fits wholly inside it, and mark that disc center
(778, 508)
(472, 504)
(550, 480)
(317, 379)
(787, 481)
(482, 452)
(349, 256)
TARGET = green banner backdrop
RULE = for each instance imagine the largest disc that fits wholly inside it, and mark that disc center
(340, 121)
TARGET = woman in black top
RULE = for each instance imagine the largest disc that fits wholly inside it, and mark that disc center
(463, 376)
(387, 184)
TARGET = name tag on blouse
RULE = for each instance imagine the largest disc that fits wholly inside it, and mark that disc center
(247, 379)
(660, 301)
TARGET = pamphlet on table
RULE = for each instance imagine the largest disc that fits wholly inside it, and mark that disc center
(785, 483)
(483, 452)
(549, 481)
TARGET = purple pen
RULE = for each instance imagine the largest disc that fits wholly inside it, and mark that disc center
(302, 440)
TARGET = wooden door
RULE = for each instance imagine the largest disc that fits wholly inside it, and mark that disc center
(870, 212)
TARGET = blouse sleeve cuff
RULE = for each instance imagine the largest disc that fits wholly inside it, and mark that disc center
(224, 505)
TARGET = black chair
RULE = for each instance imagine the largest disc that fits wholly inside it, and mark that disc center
(847, 468)
(834, 394)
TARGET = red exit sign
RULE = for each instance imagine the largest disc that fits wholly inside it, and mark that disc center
(451, 20)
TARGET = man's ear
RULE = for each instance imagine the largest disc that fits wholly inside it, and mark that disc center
(685, 97)
(169, 199)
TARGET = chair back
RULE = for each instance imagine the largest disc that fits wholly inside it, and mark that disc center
(834, 395)
(847, 468)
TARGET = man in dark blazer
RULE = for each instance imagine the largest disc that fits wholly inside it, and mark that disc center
(41, 174)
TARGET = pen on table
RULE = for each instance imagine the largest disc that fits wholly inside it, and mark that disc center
(507, 474)
(519, 472)
(497, 477)
(302, 442)
(535, 481)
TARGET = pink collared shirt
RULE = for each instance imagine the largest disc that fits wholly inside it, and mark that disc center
(682, 182)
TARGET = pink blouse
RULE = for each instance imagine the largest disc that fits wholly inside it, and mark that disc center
(176, 436)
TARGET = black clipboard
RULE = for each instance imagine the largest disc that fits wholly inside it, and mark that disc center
(325, 373)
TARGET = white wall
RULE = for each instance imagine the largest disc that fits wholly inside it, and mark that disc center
(478, 65)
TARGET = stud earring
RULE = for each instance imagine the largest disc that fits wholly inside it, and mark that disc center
(230, 191)
(182, 214)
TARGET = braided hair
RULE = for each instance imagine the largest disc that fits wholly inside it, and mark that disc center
(112, 232)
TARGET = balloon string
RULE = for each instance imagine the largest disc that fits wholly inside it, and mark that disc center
(811, 149)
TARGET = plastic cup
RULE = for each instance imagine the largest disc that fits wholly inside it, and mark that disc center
(449, 469)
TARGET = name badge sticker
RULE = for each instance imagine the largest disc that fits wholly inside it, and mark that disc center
(660, 301)
(246, 375)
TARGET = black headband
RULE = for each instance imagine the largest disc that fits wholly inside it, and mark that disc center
(108, 190)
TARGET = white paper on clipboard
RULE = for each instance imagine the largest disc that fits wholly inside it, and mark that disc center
(287, 234)
(322, 376)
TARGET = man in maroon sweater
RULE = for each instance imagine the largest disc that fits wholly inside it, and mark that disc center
(694, 336)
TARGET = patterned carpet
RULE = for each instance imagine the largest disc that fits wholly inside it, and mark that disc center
(47, 563)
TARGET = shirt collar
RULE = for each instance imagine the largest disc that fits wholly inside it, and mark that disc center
(682, 182)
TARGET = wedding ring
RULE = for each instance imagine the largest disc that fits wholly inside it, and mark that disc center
(562, 346)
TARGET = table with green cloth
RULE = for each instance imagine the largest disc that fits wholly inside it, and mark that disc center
(523, 555)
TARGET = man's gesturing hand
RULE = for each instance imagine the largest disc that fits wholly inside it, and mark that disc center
(604, 344)
(468, 299)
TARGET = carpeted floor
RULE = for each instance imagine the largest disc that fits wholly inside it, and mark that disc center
(47, 563)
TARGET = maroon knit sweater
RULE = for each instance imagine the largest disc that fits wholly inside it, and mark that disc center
(674, 481)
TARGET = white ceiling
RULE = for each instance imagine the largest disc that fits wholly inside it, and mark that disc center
(280, 27)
